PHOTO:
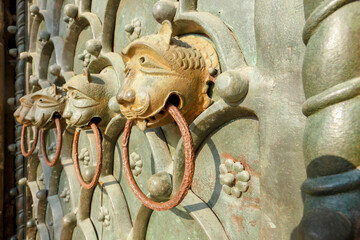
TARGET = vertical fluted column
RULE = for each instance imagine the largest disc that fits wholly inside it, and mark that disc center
(20, 164)
(331, 78)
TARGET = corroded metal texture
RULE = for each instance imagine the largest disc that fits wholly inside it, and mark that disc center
(58, 144)
(22, 142)
(95, 176)
(161, 60)
(331, 138)
(233, 71)
(189, 165)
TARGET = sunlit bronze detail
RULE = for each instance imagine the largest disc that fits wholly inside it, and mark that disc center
(26, 103)
(21, 112)
(48, 106)
(189, 163)
(49, 103)
(75, 154)
(58, 144)
(162, 68)
(88, 96)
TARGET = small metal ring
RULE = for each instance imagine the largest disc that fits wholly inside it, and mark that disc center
(95, 179)
(22, 141)
(189, 163)
(58, 144)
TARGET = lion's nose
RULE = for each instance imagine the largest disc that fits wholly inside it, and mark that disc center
(30, 115)
(125, 97)
(67, 113)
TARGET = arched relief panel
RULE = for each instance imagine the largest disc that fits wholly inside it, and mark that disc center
(143, 164)
(49, 63)
(161, 222)
(63, 18)
(95, 210)
(134, 18)
(242, 26)
(50, 221)
(84, 27)
(56, 15)
(98, 8)
(64, 193)
(109, 20)
(227, 176)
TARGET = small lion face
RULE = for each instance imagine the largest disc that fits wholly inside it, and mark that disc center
(21, 112)
(88, 97)
(81, 108)
(47, 102)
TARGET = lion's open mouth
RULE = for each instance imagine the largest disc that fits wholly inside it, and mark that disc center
(159, 117)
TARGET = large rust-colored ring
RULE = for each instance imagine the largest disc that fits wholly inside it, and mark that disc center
(95, 179)
(189, 163)
(58, 144)
(22, 141)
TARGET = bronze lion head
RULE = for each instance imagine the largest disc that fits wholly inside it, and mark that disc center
(161, 68)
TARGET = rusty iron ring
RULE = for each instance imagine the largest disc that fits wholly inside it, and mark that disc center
(189, 163)
(22, 141)
(95, 179)
(58, 144)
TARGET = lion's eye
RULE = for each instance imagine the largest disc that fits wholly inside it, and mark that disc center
(76, 96)
(42, 100)
(142, 60)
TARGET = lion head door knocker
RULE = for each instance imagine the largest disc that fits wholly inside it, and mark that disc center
(87, 107)
(20, 114)
(166, 77)
(49, 104)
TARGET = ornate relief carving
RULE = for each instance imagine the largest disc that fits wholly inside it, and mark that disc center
(161, 68)
(21, 115)
(85, 57)
(71, 12)
(44, 37)
(133, 29)
(88, 96)
(65, 194)
(104, 216)
(48, 102)
(136, 163)
(26, 103)
(233, 177)
(84, 156)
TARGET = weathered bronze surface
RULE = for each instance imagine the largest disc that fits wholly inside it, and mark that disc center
(241, 76)
(58, 144)
(160, 68)
(48, 103)
(88, 97)
(156, 187)
(26, 103)
(96, 174)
